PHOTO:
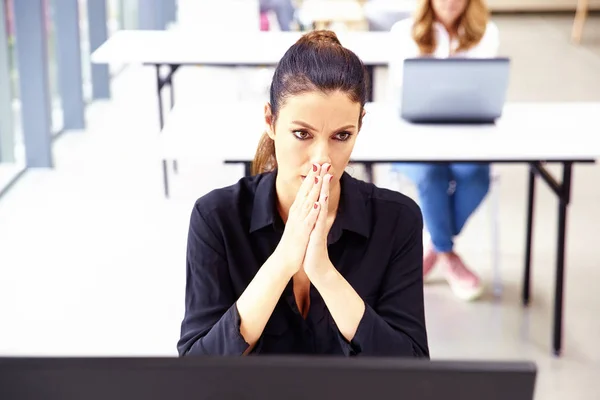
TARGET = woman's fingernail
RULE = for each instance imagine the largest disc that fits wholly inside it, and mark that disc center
(316, 179)
(329, 166)
(314, 167)
(316, 205)
(326, 197)
(330, 178)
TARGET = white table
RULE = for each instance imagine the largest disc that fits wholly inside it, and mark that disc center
(178, 47)
(532, 133)
(527, 132)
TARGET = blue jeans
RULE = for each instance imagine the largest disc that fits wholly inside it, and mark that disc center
(446, 211)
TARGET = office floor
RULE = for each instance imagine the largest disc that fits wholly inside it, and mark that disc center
(92, 256)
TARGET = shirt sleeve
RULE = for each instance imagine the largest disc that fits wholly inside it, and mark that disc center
(395, 326)
(211, 324)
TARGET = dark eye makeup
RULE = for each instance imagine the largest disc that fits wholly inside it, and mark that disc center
(302, 134)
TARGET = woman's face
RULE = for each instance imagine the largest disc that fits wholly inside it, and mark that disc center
(449, 11)
(313, 128)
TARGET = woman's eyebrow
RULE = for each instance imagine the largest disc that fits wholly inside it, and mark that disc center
(308, 126)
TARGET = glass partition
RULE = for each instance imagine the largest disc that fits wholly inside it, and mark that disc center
(57, 110)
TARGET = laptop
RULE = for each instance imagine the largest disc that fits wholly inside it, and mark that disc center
(454, 90)
(263, 377)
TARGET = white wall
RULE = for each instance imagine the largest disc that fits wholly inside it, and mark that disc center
(538, 5)
(219, 15)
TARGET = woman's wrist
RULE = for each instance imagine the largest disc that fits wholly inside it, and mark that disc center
(284, 264)
(322, 275)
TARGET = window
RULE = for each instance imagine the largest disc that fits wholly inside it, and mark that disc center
(55, 100)
(12, 149)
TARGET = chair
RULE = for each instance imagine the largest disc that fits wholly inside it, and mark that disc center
(580, 18)
(494, 212)
(494, 197)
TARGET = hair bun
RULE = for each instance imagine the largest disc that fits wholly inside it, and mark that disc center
(320, 37)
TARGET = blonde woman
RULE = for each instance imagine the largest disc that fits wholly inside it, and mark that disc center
(449, 193)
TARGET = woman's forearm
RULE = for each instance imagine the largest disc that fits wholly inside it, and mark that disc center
(344, 304)
(257, 302)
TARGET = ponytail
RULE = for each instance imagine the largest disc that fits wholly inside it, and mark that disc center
(264, 159)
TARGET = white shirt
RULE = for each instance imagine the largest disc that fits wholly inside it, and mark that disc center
(405, 47)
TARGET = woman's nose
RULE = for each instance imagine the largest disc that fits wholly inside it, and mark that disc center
(321, 155)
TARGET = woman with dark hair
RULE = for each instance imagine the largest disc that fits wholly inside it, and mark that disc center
(301, 257)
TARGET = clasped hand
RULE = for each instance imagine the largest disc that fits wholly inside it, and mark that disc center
(304, 241)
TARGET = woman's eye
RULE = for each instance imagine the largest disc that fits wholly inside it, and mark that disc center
(342, 136)
(301, 134)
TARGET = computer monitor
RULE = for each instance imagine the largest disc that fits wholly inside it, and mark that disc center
(262, 377)
(454, 90)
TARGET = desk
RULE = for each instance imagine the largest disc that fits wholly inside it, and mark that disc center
(531, 133)
(323, 13)
(178, 47)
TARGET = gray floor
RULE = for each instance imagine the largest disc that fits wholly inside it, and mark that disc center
(92, 259)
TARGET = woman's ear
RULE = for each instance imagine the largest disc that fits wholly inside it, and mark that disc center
(269, 121)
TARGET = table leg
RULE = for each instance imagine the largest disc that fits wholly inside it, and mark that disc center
(371, 90)
(159, 86)
(563, 193)
(173, 68)
(165, 177)
(564, 199)
(369, 171)
(529, 236)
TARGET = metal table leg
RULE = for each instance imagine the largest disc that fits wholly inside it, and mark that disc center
(371, 74)
(529, 237)
(563, 192)
(369, 171)
(160, 84)
(165, 177)
(173, 68)
(560, 257)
